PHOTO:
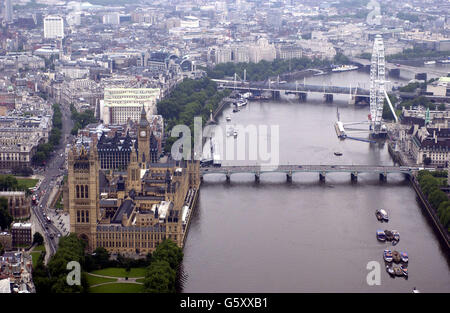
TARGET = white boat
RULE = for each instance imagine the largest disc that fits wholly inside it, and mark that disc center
(444, 61)
(344, 68)
(429, 62)
(404, 256)
(390, 270)
(382, 215)
(228, 118)
(241, 103)
(235, 133)
(404, 270)
(396, 235)
(381, 236)
(247, 95)
(387, 255)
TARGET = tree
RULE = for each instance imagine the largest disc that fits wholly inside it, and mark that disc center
(436, 197)
(443, 207)
(24, 171)
(445, 218)
(71, 248)
(170, 252)
(5, 217)
(160, 278)
(2, 250)
(428, 185)
(38, 239)
(8, 182)
(101, 257)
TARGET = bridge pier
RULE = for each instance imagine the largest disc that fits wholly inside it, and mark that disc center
(395, 72)
(289, 177)
(257, 177)
(383, 177)
(275, 95)
(322, 176)
(302, 96)
(328, 97)
(352, 100)
(228, 177)
(421, 76)
(362, 100)
(354, 176)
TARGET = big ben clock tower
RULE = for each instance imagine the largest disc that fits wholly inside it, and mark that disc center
(144, 139)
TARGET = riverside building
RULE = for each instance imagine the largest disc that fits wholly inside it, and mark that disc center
(132, 210)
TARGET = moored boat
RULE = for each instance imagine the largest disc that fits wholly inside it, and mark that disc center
(404, 257)
(337, 153)
(398, 271)
(396, 257)
(228, 118)
(404, 270)
(396, 235)
(344, 68)
(241, 103)
(389, 235)
(381, 236)
(382, 215)
(390, 270)
(429, 62)
(387, 255)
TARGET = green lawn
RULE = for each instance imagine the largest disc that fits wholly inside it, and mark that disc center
(120, 272)
(118, 288)
(35, 257)
(39, 248)
(25, 183)
(94, 280)
(36, 253)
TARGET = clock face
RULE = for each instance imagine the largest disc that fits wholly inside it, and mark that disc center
(143, 133)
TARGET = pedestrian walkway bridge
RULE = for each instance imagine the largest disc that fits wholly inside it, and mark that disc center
(322, 170)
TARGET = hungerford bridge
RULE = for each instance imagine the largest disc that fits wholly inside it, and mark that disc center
(376, 95)
(356, 94)
(322, 170)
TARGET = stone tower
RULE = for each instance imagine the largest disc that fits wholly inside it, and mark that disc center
(134, 173)
(144, 140)
(83, 185)
(193, 168)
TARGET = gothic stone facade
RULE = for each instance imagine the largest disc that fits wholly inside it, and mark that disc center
(138, 208)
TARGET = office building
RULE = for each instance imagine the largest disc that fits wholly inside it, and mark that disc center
(8, 11)
(53, 27)
(121, 104)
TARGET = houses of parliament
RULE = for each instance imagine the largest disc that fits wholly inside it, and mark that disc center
(132, 210)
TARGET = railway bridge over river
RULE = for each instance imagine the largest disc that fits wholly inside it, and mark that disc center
(299, 89)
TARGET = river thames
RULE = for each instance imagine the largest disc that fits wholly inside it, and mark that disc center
(308, 236)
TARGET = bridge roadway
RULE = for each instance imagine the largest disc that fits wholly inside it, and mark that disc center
(290, 87)
(322, 170)
(416, 70)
